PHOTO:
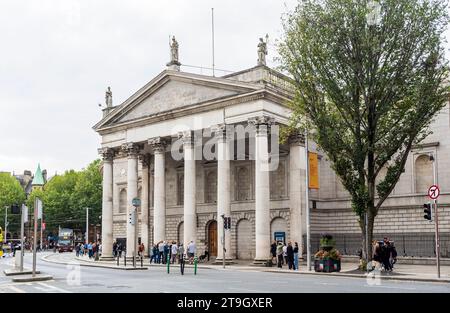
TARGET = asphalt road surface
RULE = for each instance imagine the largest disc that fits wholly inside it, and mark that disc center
(74, 279)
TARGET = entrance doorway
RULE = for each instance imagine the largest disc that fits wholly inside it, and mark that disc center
(212, 238)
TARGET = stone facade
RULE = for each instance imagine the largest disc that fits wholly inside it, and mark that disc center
(188, 198)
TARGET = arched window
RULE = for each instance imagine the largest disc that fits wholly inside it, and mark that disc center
(211, 186)
(243, 184)
(180, 189)
(278, 182)
(423, 170)
(123, 201)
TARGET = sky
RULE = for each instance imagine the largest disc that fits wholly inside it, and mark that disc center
(58, 57)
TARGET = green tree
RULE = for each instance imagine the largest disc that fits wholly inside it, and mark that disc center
(88, 191)
(369, 77)
(10, 193)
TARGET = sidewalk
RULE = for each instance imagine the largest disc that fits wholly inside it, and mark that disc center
(425, 273)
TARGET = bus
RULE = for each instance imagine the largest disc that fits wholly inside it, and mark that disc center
(65, 240)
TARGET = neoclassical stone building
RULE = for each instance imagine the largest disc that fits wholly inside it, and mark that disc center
(153, 147)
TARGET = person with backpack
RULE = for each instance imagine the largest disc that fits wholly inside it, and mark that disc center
(280, 254)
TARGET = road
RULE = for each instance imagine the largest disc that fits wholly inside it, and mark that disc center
(74, 279)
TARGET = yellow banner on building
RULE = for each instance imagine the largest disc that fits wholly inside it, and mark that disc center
(313, 170)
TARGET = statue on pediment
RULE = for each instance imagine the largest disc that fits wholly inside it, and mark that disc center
(108, 97)
(262, 50)
(174, 51)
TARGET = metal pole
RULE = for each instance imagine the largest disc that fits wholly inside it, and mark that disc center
(35, 235)
(42, 217)
(436, 225)
(87, 225)
(366, 223)
(22, 231)
(308, 228)
(6, 224)
(135, 235)
(212, 23)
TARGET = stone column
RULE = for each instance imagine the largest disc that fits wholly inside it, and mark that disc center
(297, 185)
(107, 203)
(132, 192)
(145, 160)
(262, 190)
(159, 189)
(190, 217)
(223, 191)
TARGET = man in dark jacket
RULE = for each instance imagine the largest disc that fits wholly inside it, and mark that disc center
(290, 256)
(273, 251)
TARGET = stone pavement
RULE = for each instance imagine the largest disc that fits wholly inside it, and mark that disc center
(426, 273)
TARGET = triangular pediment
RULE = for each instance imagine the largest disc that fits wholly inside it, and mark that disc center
(172, 91)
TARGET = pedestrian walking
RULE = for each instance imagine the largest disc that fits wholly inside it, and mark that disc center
(174, 251)
(161, 252)
(285, 253)
(180, 253)
(290, 256)
(273, 251)
(280, 254)
(296, 251)
(191, 250)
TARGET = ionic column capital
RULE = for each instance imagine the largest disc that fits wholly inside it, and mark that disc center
(130, 148)
(106, 153)
(158, 144)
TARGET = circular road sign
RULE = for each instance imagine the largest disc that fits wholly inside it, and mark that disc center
(433, 192)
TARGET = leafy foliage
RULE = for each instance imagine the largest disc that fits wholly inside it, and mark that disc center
(10, 193)
(66, 197)
(369, 83)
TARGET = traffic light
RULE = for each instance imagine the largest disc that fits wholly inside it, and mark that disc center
(15, 209)
(132, 217)
(427, 211)
(227, 222)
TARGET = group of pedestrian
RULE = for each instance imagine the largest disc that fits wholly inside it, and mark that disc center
(285, 254)
(164, 251)
(118, 249)
(384, 254)
(91, 249)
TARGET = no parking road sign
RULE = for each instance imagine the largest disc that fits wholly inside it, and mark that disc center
(434, 192)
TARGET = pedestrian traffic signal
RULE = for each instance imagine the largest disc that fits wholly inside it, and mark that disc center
(15, 209)
(427, 211)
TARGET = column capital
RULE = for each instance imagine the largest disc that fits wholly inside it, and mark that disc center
(221, 131)
(261, 123)
(261, 120)
(130, 148)
(158, 144)
(187, 137)
(296, 138)
(106, 153)
(145, 159)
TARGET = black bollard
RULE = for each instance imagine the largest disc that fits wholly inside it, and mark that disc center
(125, 260)
(142, 261)
(117, 260)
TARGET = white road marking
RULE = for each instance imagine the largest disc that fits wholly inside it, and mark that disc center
(390, 287)
(17, 290)
(54, 288)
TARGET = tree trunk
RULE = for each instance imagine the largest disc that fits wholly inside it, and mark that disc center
(366, 246)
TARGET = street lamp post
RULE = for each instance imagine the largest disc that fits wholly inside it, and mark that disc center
(308, 223)
(136, 202)
(87, 225)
